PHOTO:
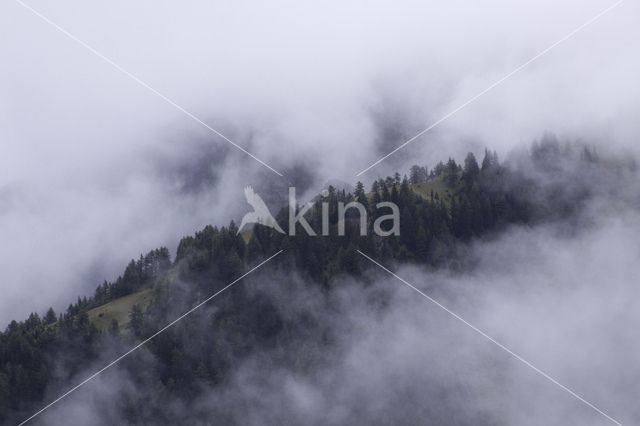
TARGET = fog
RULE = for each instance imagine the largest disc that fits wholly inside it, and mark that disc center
(566, 302)
(95, 169)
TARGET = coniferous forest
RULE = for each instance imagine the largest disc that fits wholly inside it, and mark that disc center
(319, 213)
(444, 210)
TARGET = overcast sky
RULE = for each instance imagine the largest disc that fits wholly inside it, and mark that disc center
(95, 169)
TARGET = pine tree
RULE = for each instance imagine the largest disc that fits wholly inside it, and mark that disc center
(471, 170)
(137, 321)
(361, 196)
(417, 174)
(396, 179)
(487, 161)
(50, 317)
(451, 173)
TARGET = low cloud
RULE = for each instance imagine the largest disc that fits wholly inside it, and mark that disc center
(374, 351)
(95, 169)
(567, 304)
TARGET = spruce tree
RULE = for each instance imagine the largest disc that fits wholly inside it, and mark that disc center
(471, 170)
(50, 317)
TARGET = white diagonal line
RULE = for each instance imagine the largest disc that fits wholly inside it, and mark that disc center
(143, 84)
(496, 83)
(500, 345)
(145, 341)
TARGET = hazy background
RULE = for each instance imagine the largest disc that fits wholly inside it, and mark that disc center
(94, 169)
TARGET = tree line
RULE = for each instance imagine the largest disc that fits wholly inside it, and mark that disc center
(41, 355)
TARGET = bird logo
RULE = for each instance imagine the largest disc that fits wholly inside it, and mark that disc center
(260, 213)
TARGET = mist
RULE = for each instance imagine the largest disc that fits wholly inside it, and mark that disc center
(565, 301)
(95, 169)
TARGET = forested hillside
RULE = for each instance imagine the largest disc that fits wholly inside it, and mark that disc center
(442, 211)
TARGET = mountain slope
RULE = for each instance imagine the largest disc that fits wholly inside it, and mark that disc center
(43, 357)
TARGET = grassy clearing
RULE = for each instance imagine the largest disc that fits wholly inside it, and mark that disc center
(436, 185)
(119, 309)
